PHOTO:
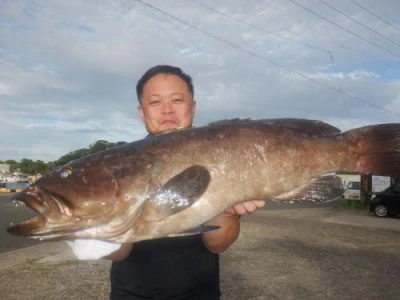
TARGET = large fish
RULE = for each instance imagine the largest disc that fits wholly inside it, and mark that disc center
(174, 182)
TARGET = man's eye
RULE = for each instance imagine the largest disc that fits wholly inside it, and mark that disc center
(178, 100)
(154, 103)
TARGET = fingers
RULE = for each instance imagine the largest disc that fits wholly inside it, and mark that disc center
(230, 211)
(248, 207)
(259, 203)
(240, 209)
(245, 208)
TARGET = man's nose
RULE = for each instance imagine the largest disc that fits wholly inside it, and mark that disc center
(167, 108)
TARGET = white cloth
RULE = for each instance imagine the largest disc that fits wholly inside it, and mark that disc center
(91, 249)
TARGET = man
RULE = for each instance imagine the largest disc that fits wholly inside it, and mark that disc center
(182, 267)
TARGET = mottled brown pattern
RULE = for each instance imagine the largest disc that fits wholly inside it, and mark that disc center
(111, 195)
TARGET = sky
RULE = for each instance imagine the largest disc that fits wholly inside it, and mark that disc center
(68, 69)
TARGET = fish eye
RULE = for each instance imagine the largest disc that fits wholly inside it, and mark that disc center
(65, 172)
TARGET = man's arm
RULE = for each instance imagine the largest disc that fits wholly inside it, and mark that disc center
(219, 240)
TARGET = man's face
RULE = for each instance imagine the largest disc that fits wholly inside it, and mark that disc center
(166, 104)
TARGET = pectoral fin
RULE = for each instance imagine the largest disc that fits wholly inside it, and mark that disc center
(177, 194)
(323, 189)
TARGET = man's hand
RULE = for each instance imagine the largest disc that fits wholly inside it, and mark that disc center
(219, 240)
(245, 208)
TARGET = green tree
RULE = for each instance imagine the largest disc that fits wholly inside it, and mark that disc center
(14, 165)
(98, 146)
(11, 162)
(28, 166)
(71, 156)
(41, 167)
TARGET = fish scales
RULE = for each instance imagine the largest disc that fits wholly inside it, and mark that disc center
(172, 182)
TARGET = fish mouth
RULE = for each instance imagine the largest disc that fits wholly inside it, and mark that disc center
(41, 202)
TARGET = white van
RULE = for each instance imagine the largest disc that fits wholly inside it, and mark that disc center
(353, 190)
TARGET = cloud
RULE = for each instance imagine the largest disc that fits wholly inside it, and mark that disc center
(68, 69)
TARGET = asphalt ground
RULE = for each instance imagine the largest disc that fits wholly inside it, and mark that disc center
(285, 253)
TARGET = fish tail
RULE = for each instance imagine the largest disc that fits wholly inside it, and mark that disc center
(374, 149)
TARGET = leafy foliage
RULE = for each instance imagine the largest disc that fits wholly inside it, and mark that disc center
(93, 148)
(28, 166)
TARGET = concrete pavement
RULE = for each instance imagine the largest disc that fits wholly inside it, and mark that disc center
(318, 253)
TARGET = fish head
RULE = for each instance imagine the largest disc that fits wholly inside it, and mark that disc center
(68, 198)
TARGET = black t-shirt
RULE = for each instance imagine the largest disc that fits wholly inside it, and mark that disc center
(168, 268)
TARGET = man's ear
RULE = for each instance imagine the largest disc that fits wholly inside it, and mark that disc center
(140, 112)
(194, 108)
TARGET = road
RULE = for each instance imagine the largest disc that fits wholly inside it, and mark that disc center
(319, 253)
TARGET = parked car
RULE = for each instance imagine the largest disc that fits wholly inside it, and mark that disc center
(387, 202)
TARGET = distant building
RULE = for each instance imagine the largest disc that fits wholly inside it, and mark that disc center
(4, 171)
(4, 168)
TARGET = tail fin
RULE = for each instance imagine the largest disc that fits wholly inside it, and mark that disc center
(376, 149)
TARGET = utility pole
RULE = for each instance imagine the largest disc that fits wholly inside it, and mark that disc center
(366, 189)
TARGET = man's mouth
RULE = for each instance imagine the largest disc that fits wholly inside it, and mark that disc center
(167, 122)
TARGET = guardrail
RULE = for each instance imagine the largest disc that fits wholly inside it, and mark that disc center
(4, 190)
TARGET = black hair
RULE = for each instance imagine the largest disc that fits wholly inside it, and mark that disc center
(163, 69)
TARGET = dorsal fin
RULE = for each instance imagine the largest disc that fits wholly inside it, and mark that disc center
(229, 121)
(308, 127)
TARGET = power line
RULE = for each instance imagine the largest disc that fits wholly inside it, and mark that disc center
(359, 23)
(259, 28)
(330, 54)
(348, 31)
(342, 94)
(374, 14)
(264, 58)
